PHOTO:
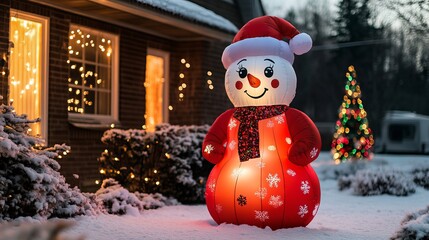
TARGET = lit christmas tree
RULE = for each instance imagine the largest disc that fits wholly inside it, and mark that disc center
(353, 138)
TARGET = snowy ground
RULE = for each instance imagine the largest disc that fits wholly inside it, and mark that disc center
(341, 215)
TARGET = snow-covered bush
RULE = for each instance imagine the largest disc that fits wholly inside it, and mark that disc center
(378, 181)
(115, 199)
(421, 177)
(155, 200)
(414, 226)
(49, 230)
(30, 182)
(167, 161)
(118, 200)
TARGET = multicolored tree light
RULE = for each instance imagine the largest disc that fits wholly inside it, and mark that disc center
(353, 138)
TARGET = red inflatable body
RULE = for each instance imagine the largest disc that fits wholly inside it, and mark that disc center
(270, 190)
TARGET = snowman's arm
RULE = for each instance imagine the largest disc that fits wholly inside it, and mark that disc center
(306, 141)
(213, 144)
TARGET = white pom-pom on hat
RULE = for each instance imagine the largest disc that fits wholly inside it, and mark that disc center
(301, 43)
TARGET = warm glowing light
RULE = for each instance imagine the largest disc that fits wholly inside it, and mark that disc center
(154, 91)
(183, 60)
(112, 125)
(97, 182)
(181, 75)
(170, 107)
(187, 65)
(209, 73)
(26, 67)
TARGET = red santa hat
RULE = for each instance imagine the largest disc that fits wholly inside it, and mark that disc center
(263, 36)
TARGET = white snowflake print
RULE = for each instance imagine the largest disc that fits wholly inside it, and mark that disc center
(224, 144)
(313, 152)
(305, 188)
(261, 193)
(291, 172)
(315, 209)
(275, 201)
(219, 208)
(232, 144)
(280, 119)
(303, 210)
(232, 124)
(288, 140)
(273, 180)
(236, 172)
(272, 148)
(261, 215)
(260, 164)
(211, 185)
(209, 148)
(270, 124)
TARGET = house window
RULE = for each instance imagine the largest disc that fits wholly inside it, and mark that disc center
(28, 68)
(156, 85)
(92, 79)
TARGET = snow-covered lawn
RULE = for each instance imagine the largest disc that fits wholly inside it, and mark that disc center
(342, 215)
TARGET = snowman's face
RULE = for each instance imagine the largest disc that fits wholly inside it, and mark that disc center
(260, 81)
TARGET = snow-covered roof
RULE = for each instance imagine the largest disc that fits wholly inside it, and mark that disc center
(193, 12)
(404, 115)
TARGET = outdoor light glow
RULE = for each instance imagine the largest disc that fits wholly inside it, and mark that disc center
(353, 138)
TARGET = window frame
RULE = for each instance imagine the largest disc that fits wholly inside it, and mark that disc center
(165, 95)
(89, 120)
(44, 65)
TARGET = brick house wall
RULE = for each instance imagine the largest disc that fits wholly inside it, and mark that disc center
(199, 106)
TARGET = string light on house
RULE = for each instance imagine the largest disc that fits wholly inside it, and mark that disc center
(209, 81)
(182, 85)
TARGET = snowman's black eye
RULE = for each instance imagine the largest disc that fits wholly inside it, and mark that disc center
(268, 72)
(242, 72)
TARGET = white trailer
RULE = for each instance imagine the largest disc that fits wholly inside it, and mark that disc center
(405, 132)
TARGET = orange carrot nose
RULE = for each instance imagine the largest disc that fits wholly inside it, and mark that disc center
(254, 81)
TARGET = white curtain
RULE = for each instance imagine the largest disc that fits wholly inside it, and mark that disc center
(25, 69)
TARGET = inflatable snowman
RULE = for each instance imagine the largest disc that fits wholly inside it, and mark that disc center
(263, 148)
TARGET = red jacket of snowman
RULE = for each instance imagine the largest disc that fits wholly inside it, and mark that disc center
(263, 148)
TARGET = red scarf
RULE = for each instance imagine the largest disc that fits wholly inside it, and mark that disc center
(248, 132)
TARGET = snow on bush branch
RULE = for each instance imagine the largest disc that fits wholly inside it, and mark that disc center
(414, 226)
(167, 161)
(30, 184)
(368, 182)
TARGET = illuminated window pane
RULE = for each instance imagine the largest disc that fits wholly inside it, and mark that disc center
(25, 63)
(154, 91)
(104, 107)
(75, 73)
(89, 75)
(90, 71)
(103, 73)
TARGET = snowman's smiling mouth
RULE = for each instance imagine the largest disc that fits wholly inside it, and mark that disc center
(256, 97)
